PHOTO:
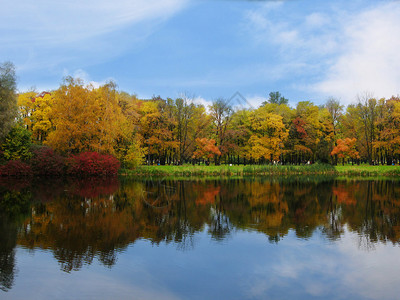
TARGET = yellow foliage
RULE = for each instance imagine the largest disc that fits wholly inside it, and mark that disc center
(135, 154)
(26, 107)
(268, 134)
(86, 119)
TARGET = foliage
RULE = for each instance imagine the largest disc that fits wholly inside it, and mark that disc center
(82, 118)
(221, 116)
(26, 107)
(268, 134)
(8, 101)
(85, 118)
(93, 164)
(157, 125)
(15, 168)
(41, 116)
(135, 154)
(46, 162)
(17, 144)
(276, 98)
(206, 149)
(346, 149)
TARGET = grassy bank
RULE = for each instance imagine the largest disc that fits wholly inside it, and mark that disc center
(225, 170)
(367, 170)
(255, 170)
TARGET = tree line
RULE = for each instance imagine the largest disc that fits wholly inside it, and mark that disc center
(79, 117)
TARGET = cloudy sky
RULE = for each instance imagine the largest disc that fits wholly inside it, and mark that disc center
(307, 50)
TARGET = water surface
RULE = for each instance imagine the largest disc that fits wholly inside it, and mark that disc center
(271, 238)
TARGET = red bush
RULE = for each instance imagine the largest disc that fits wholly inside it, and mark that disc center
(93, 164)
(46, 162)
(15, 168)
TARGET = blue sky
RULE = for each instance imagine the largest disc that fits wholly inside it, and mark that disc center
(307, 50)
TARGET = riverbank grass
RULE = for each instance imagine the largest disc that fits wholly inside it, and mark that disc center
(260, 170)
(227, 170)
(367, 170)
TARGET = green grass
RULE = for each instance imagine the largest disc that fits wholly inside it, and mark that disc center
(225, 170)
(262, 170)
(367, 170)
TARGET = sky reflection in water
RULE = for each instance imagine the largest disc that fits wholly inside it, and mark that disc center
(229, 240)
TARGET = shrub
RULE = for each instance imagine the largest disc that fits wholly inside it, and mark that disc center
(46, 162)
(93, 164)
(17, 144)
(15, 168)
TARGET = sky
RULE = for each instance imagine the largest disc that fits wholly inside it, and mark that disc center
(208, 49)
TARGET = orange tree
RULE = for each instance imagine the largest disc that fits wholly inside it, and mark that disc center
(346, 149)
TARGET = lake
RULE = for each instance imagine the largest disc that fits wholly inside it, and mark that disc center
(252, 238)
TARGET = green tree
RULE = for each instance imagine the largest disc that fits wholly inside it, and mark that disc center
(17, 144)
(276, 98)
(135, 155)
(8, 98)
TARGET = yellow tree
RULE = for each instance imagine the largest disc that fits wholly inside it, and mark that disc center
(35, 113)
(268, 134)
(113, 125)
(41, 116)
(26, 105)
(85, 119)
(156, 127)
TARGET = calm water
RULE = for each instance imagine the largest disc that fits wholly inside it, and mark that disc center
(219, 239)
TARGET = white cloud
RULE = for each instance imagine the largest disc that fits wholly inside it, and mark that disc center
(342, 52)
(53, 22)
(82, 74)
(371, 61)
(317, 20)
(202, 101)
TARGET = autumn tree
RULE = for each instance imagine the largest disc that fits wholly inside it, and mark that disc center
(345, 149)
(136, 153)
(35, 113)
(351, 126)
(26, 108)
(387, 142)
(206, 149)
(268, 134)
(156, 127)
(85, 118)
(327, 135)
(305, 132)
(335, 110)
(240, 126)
(8, 99)
(41, 116)
(366, 109)
(221, 113)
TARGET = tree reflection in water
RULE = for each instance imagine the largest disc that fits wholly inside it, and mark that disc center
(80, 220)
(14, 208)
